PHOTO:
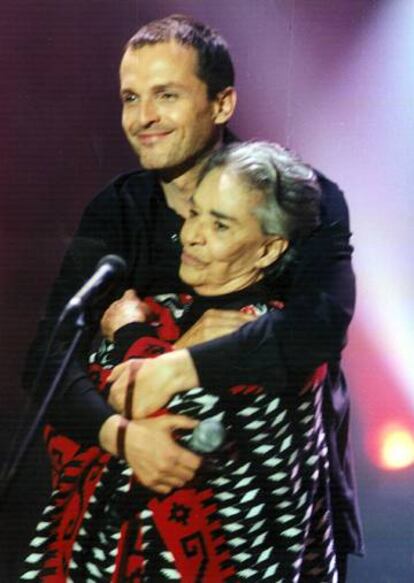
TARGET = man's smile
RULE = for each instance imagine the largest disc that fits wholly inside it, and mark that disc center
(153, 137)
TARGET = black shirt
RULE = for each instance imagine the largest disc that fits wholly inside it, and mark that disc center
(130, 218)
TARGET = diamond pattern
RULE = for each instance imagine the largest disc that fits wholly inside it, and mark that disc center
(267, 507)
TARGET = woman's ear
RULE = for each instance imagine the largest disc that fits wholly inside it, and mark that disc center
(224, 105)
(271, 250)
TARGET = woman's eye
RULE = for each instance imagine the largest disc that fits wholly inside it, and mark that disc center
(192, 213)
(219, 226)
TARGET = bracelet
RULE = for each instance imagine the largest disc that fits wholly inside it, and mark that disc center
(120, 437)
(129, 397)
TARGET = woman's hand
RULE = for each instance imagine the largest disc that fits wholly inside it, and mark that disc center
(124, 311)
(153, 381)
(213, 324)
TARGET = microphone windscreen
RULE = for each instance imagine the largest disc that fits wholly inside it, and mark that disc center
(116, 262)
(207, 437)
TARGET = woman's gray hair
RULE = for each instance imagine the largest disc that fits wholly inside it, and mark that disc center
(290, 206)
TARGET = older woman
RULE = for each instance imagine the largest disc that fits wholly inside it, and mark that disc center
(260, 511)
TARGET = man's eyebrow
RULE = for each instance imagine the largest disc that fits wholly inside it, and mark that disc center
(156, 88)
(169, 85)
(125, 91)
(159, 87)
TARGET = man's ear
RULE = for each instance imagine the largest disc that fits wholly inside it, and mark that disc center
(271, 250)
(224, 105)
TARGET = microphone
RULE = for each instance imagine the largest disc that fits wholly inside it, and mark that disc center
(109, 269)
(207, 437)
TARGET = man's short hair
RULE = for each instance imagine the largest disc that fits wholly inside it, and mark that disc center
(215, 67)
(290, 206)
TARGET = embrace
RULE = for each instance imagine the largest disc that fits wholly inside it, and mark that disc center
(261, 508)
(235, 307)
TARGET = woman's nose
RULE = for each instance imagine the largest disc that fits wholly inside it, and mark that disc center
(192, 232)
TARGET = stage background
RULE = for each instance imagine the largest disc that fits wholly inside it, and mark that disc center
(332, 79)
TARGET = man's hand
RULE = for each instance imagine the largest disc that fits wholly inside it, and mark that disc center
(127, 309)
(158, 462)
(155, 381)
(213, 324)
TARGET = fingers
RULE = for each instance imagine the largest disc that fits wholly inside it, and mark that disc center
(161, 488)
(117, 371)
(130, 294)
(190, 462)
(132, 366)
(213, 324)
(164, 487)
(175, 477)
(229, 316)
(168, 477)
(129, 308)
(121, 393)
(174, 422)
(158, 462)
(168, 484)
(187, 461)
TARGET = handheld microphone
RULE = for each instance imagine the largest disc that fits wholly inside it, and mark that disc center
(109, 269)
(207, 437)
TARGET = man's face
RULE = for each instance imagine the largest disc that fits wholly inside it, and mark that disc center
(224, 248)
(167, 117)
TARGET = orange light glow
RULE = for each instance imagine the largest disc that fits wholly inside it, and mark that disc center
(396, 448)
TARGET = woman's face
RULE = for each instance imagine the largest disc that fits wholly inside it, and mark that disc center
(224, 249)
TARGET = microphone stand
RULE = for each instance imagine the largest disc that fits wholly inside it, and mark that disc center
(13, 463)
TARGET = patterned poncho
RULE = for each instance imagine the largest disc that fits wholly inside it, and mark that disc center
(258, 510)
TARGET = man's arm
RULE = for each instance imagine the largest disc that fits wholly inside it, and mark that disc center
(78, 410)
(275, 348)
(310, 330)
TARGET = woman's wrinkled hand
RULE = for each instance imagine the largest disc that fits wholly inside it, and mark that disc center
(129, 308)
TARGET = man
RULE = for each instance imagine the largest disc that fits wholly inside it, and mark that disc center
(177, 94)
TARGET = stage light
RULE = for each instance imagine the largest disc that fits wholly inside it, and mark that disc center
(396, 448)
